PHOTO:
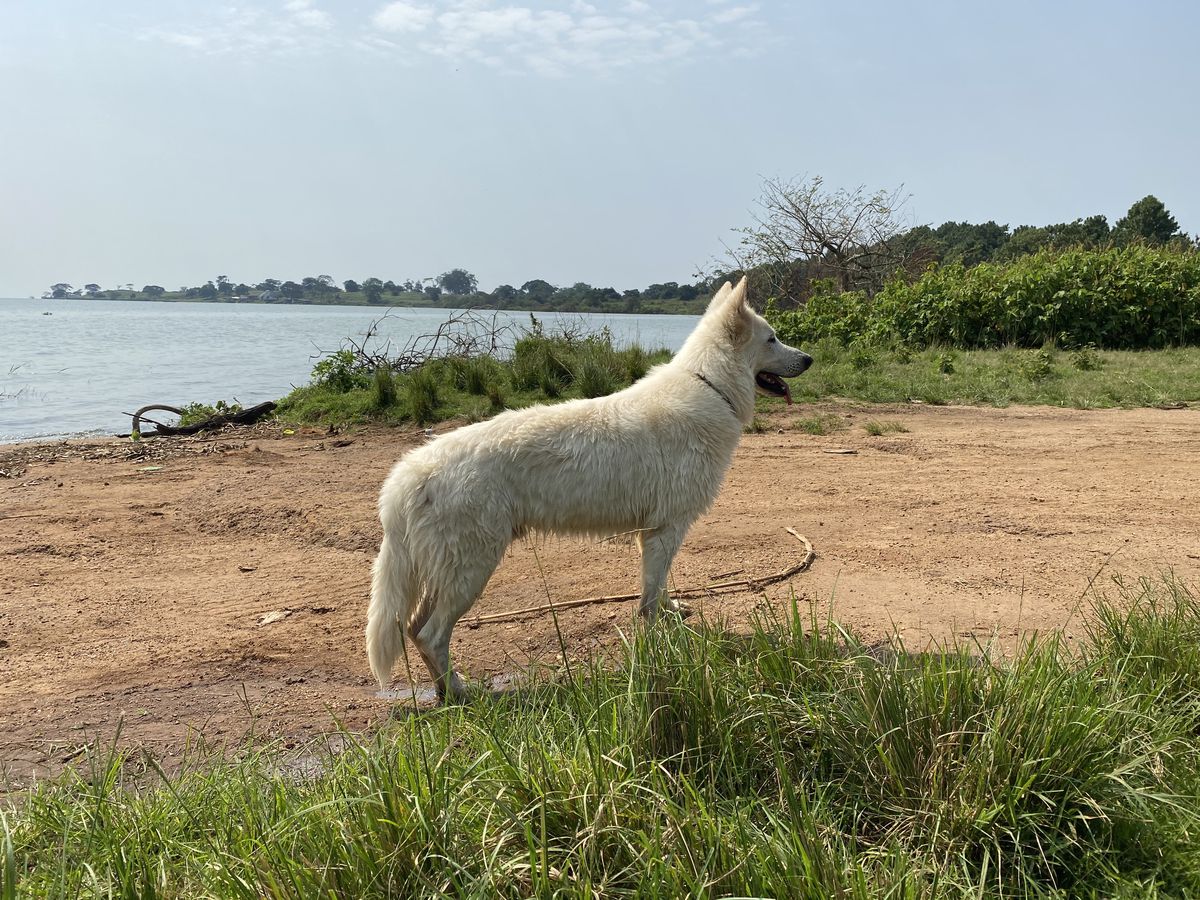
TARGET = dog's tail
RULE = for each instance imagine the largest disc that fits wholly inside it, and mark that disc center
(394, 588)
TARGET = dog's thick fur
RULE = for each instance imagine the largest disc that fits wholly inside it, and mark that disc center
(650, 458)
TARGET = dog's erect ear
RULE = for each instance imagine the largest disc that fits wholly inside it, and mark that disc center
(719, 296)
(737, 312)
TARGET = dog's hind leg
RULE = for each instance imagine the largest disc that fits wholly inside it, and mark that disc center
(446, 604)
(658, 550)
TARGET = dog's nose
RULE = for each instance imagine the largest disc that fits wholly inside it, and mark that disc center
(805, 362)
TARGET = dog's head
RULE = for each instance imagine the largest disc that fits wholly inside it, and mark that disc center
(752, 336)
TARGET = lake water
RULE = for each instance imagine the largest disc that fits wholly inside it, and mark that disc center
(77, 370)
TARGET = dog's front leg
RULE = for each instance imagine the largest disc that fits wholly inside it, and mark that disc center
(658, 550)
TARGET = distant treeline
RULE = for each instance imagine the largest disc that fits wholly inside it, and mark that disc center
(827, 224)
(455, 289)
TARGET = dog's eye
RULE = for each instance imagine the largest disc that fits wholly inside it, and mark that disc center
(771, 339)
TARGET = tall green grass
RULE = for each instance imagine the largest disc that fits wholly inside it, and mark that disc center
(792, 761)
(543, 366)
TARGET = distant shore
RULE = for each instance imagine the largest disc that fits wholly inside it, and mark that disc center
(407, 300)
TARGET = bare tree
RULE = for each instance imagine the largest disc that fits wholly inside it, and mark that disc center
(803, 231)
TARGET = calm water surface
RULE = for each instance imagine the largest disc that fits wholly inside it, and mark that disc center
(78, 369)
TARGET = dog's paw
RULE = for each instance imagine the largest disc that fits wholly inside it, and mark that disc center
(678, 608)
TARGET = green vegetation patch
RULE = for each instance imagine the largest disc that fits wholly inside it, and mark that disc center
(348, 387)
(1046, 376)
(1132, 297)
(792, 761)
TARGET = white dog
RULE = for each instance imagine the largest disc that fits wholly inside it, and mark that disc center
(650, 458)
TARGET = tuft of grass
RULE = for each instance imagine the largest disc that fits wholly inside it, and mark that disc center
(383, 389)
(880, 428)
(821, 424)
(421, 394)
(596, 381)
(756, 426)
(496, 397)
(791, 761)
(636, 362)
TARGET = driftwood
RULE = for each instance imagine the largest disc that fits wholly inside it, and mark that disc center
(720, 587)
(243, 417)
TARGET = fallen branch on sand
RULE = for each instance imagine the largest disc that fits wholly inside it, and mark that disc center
(242, 417)
(720, 587)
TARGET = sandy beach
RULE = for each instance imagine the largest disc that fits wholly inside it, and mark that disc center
(217, 587)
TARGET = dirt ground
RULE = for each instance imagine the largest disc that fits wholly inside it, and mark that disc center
(219, 586)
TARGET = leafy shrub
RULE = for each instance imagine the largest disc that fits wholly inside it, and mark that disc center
(863, 356)
(1086, 359)
(944, 362)
(1132, 297)
(843, 317)
(1038, 365)
(339, 371)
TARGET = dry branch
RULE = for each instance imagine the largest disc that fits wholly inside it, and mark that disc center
(751, 584)
(243, 417)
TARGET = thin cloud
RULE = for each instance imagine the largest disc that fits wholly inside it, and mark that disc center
(306, 14)
(403, 17)
(294, 26)
(548, 41)
(733, 14)
(551, 39)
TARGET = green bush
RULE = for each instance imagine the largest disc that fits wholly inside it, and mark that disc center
(843, 317)
(1132, 297)
(1086, 359)
(1038, 365)
(339, 371)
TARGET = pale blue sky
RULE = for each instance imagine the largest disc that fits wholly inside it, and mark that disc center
(618, 143)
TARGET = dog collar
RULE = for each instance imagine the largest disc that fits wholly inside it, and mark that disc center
(721, 394)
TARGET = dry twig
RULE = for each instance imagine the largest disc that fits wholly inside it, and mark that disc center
(751, 584)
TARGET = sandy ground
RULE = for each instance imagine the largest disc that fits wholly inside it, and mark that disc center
(219, 586)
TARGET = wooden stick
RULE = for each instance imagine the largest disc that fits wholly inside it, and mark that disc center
(755, 584)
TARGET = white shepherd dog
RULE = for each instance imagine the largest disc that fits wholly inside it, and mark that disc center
(650, 458)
